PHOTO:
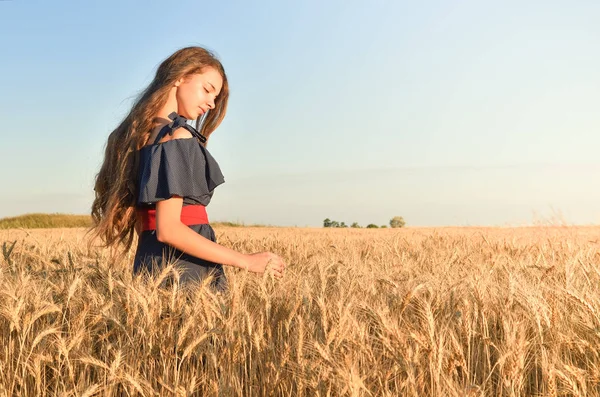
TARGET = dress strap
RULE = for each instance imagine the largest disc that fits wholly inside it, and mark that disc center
(178, 122)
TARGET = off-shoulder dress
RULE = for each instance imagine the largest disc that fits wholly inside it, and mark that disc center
(184, 168)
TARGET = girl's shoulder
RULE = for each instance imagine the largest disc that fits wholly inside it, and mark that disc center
(178, 133)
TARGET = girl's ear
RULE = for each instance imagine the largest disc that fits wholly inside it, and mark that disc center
(178, 82)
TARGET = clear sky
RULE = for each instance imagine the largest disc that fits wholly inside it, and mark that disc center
(443, 112)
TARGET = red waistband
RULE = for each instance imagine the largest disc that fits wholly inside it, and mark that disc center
(190, 215)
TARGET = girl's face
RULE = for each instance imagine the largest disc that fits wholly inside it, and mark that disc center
(196, 93)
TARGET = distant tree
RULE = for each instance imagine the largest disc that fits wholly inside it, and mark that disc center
(329, 223)
(397, 221)
(383, 227)
(355, 225)
(372, 226)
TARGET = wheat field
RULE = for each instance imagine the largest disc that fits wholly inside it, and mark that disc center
(377, 312)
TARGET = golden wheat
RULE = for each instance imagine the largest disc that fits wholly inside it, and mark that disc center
(389, 312)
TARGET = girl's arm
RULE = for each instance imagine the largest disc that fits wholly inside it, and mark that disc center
(170, 230)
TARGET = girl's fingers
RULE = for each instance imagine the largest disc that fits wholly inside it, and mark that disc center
(276, 271)
(275, 266)
(276, 263)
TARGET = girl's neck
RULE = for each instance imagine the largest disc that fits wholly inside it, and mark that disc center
(169, 107)
(161, 118)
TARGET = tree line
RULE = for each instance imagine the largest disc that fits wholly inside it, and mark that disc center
(395, 222)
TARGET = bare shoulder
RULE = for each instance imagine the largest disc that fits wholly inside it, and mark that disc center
(179, 133)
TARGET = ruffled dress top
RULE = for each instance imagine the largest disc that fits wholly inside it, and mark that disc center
(184, 168)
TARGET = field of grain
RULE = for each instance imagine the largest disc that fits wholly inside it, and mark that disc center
(388, 312)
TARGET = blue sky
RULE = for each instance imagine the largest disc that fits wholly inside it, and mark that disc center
(443, 112)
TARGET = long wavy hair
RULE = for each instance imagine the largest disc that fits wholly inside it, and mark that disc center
(114, 207)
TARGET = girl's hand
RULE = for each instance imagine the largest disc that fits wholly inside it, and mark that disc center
(262, 262)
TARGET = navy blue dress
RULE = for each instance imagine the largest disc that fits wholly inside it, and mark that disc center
(181, 167)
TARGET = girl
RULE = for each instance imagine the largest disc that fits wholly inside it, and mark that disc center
(158, 177)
